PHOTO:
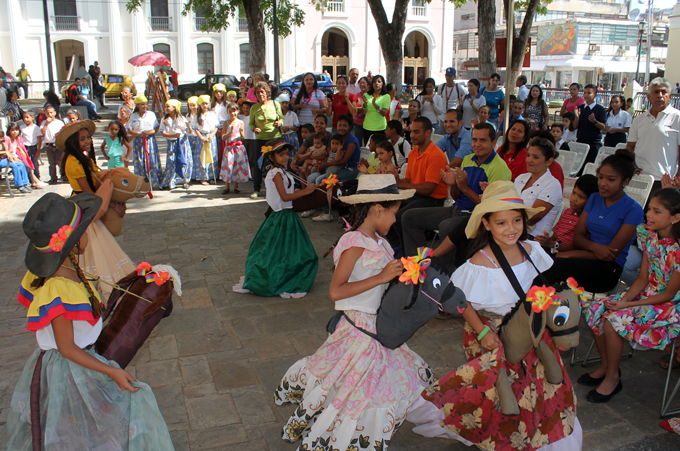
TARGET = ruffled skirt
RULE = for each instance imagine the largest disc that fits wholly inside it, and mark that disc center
(147, 161)
(235, 166)
(178, 163)
(353, 393)
(82, 409)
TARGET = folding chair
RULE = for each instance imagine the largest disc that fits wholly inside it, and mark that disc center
(621, 145)
(436, 138)
(604, 153)
(4, 172)
(639, 188)
(591, 168)
(567, 160)
(582, 150)
(666, 401)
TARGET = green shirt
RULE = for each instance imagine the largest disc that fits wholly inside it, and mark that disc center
(375, 121)
(264, 118)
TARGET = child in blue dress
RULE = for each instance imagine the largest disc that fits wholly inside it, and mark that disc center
(115, 142)
(143, 126)
(178, 160)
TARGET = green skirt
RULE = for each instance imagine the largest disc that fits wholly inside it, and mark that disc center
(83, 409)
(281, 258)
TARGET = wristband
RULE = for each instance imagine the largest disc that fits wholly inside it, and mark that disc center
(483, 332)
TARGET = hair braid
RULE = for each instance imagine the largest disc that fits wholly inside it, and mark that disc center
(96, 305)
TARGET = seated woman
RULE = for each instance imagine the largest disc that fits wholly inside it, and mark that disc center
(604, 231)
(538, 188)
(103, 256)
(514, 148)
(649, 312)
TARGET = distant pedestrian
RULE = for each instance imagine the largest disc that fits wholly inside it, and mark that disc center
(23, 76)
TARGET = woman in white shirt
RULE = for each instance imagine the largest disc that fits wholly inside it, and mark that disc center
(431, 104)
(472, 103)
(618, 122)
(143, 126)
(538, 188)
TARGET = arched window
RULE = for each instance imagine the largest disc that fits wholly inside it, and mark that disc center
(245, 58)
(205, 58)
(165, 50)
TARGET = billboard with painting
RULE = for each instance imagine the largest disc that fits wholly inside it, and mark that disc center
(556, 39)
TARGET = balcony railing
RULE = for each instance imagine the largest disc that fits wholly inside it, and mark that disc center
(66, 23)
(335, 7)
(198, 24)
(160, 23)
(419, 11)
(242, 25)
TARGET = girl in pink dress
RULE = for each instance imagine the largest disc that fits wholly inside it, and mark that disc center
(235, 167)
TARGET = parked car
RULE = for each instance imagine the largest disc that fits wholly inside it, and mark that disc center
(203, 85)
(115, 83)
(324, 81)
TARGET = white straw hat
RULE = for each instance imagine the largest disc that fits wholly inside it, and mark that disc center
(377, 188)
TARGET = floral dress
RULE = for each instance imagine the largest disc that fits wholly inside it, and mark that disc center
(235, 166)
(652, 326)
(353, 393)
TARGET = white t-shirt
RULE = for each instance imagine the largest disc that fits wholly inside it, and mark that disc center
(178, 125)
(523, 92)
(548, 189)
(432, 110)
(402, 143)
(52, 129)
(30, 133)
(221, 112)
(144, 123)
(569, 135)
(291, 120)
(247, 132)
(451, 96)
(621, 120)
(657, 140)
(468, 112)
(272, 196)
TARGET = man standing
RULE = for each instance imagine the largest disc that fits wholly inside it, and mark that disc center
(457, 143)
(654, 136)
(353, 86)
(483, 165)
(521, 83)
(23, 76)
(591, 119)
(174, 79)
(451, 92)
(97, 89)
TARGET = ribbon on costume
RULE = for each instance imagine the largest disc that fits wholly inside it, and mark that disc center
(206, 154)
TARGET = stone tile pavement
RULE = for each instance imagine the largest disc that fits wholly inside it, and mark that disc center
(215, 362)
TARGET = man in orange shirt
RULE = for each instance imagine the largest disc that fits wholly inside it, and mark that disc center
(423, 173)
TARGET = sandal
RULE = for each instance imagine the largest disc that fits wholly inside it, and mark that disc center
(226, 190)
(665, 360)
(204, 183)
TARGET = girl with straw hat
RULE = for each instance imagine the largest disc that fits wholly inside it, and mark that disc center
(68, 395)
(143, 126)
(206, 129)
(354, 392)
(178, 163)
(460, 410)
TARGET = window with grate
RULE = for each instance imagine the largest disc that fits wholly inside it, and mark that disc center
(244, 50)
(206, 58)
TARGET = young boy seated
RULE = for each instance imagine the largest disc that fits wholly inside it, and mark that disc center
(562, 238)
(318, 153)
(557, 130)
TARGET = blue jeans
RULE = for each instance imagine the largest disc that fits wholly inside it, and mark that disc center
(91, 108)
(631, 270)
(20, 175)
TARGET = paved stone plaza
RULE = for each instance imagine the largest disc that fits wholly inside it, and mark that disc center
(215, 362)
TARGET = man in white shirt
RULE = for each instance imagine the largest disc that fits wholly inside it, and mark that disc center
(353, 86)
(521, 83)
(452, 93)
(654, 135)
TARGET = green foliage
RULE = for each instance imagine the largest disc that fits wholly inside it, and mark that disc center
(520, 5)
(288, 15)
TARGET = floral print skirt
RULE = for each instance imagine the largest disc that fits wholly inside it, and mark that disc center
(353, 393)
(651, 326)
(199, 171)
(235, 166)
(147, 161)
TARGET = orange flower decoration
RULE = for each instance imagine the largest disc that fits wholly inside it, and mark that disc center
(573, 285)
(541, 298)
(411, 270)
(161, 277)
(59, 239)
(330, 181)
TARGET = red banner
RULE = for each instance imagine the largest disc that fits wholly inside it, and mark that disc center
(501, 50)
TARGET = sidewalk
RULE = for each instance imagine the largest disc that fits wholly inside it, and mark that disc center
(215, 362)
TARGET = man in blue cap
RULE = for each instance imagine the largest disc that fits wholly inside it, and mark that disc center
(451, 92)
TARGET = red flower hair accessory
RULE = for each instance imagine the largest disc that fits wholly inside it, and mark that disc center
(59, 239)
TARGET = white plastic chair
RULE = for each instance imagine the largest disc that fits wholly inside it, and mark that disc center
(582, 150)
(639, 188)
(621, 145)
(560, 160)
(591, 168)
(435, 137)
(499, 143)
(603, 153)
(567, 160)
(569, 183)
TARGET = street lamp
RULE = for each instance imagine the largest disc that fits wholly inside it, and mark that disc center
(641, 28)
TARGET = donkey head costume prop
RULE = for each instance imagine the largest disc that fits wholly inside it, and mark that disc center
(126, 186)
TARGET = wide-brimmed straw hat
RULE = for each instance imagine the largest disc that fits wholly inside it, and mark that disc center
(243, 100)
(498, 196)
(74, 127)
(54, 225)
(377, 188)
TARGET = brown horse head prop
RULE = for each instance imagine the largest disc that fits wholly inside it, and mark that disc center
(126, 186)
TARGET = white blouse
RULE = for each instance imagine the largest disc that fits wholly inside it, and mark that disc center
(548, 189)
(144, 123)
(272, 196)
(431, 110)
(174, 126)
(221, 111)
(489, 289)
(83, 335)
(210, 123)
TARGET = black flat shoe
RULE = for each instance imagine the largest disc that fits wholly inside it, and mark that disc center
(589, 381)
(598, 398)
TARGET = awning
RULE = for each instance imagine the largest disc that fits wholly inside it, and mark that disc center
(626, 66)
(574, 62)
(607, 66)
(537, 65)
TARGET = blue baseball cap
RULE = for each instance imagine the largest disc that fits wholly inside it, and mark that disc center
(451, 71)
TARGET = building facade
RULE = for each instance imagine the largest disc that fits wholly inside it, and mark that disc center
(341, 36)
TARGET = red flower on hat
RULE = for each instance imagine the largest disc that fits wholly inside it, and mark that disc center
(161, 277)
(59, 239)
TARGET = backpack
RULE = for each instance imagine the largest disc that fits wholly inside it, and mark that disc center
(71, 95)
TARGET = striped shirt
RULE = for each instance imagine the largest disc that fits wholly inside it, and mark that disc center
(565, 227)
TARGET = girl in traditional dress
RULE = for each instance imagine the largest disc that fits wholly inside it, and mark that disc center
(281, 260)
(206, 129)
(197, 171)
(354, 393)
(648, 313)
(68, 395)
(218, 105)
(463, 405)
(103, 256)
(178, 161)
(235, 166)
(142, 127)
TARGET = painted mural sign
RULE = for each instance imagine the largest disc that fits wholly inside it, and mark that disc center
(556, 39)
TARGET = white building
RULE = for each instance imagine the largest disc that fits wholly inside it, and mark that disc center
(341, 37)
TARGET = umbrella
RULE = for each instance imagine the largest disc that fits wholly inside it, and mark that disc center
(149, 59)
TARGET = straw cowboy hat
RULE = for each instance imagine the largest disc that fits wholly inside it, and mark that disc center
(498, 196)
(53, 226)
(72, 128)
(377, 188)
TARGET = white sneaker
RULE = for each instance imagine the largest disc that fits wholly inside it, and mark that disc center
(43, 184)
(254, 196)
(323, 218)
(307, 214)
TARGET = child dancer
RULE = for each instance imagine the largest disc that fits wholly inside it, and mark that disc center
(197, 171)
(142, 127)
(77, 397)
(115, 142)
(291, 123)
(235, 167)
(468, 411)
(206, 129)
(268, 273)
(219, 106)
(353, 391)
(649, 312)
(386, 157)
(32, 137)
(178, 163)
(232, 97)
(249, 141)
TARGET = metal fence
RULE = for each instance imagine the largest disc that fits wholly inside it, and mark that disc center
(36, 88)
(603, 97)
(641, 103)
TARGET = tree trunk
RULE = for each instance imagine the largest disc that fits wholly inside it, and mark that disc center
(520, 44)
(390, 36)
(256, 36)
(486, 14)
